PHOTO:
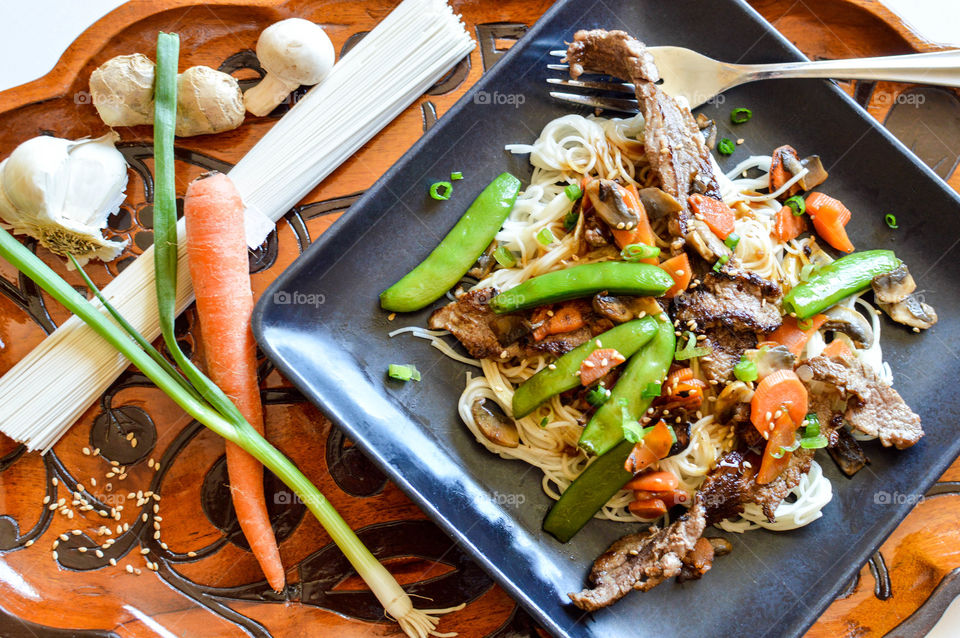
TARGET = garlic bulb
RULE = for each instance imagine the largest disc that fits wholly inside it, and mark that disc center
(61, 192)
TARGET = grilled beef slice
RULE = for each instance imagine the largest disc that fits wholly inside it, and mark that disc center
(731, 308)
(674, 146)
(872, 406)
(641, 561)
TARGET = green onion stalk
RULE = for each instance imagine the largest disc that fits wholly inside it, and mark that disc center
(197, 395)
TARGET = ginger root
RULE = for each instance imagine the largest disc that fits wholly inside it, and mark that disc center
(208, 101)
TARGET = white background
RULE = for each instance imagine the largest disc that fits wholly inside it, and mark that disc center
(34, 33)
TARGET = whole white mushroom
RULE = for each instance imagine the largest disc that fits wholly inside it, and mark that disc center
(293, 52)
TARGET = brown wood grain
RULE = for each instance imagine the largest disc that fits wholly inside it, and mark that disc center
(918, 555)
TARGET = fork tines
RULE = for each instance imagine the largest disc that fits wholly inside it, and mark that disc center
(597, 101)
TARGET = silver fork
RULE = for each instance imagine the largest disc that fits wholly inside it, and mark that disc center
(699, 78)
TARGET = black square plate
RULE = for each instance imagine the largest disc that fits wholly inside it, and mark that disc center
(772, 584)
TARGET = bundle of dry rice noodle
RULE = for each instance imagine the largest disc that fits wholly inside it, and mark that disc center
(413, 47)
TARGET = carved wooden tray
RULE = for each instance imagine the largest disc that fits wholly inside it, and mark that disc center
(207, 582)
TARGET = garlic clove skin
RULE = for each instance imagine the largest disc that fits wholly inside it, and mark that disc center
(61, 192)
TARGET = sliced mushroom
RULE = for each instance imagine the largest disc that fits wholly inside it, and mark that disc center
(771, 359)
(708, 128)
(707, 245)
(494, 424)
(847, 453)
(509, 329)
(911, 312)
(682, 432)
(657, 203)
(730, 397)
(784, 157)
(816, 173)
(484, 263)
(620, 309)
(851, 323)
(894, 286)
(721, 546)
(609, 200)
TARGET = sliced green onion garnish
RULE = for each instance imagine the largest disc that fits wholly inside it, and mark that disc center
(783, 450)
(505, 256)
(740, 115)
(726, 146)
(805, 324)
(796, 203)
(717, 267)
(573, 192)
(691, 350)
(441, 190)
(455, 176)
(598, 395)
(545, 236)
(812, 427)
(745, 370)
(652, 390)
(636, 252)
(403, 373)
(544, 421)
(732, 240)
(891, 220)
(814, 442)
(570, 220)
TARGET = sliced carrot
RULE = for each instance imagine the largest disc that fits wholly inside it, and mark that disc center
(641, 457)
(681, 390)
(648, 508)
(566, 318)
(779, 175)
(643, 232)
(717, 215)
(654, 482)
(837, 348)
(787, 225)
(790, 334)
(782, 436)
(778, 393)
(598, 363)
(671, 498)
(678, 267)
(659, 440)
(220, 270)
(830, 217)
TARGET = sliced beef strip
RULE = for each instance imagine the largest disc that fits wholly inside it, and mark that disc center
(674, 145)
(731, 308)
(468, 319)
(560, 344)
(872, 407)
(847, 453)
(697, 562)
(641, 561)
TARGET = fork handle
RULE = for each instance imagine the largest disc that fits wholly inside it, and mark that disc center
(940, 67)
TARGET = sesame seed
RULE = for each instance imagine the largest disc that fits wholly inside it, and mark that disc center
(129, 436)
(137, 571)
(133, 443)
(56, 543)
(549, 313)
(103, 513)
(164, 546)
(93, 481)
(131, 495)
(96, 451)
(739, 140)
(144, 517)
(191, 554)
(150, 463)
(113, 562)
(599, 345)
(64, 537)
(46, 499)
(156, 509)
(86, 451)
(55, 555)
(391, 316)
(81, 488)
(82, 550)
(52, 506)
(55, 481)
(144, 551)
(157, 467)
(552, 366)
(681, 273)
(916, 329)
(589, 364)
(768, 416)
(115, 463)
(156, 535)
(129, 569)
(747, 464)
(28, 543)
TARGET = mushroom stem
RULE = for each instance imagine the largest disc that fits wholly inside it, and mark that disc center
(267, 94)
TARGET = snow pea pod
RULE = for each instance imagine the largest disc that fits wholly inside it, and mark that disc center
(626, 339)
(838, 280)
(458, 251)
(616, 277)
(587, 494)
(649, 365)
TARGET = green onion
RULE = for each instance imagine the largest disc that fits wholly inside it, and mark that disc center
(783, 450)
(652, 390)
(740, 115)
(403, 373)
(732, 240)
(505, 256)
(545, 236)
(436, 187)
(717, 267)
(814, 443)
(798, 205)
(745, 370)
(891, 220)
(690, 350)
(544, 422)
(726, 146)
(455, 176)
(812, 427)
(637, 252)
(805, 324)
(570, 220)
(807, 271)
(573, 192)
(598, 395)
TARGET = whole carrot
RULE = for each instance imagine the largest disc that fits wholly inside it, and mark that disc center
(220, 272)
